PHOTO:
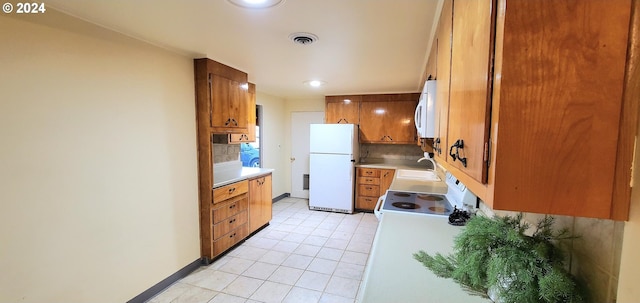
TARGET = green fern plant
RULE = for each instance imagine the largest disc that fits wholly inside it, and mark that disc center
(494, 253)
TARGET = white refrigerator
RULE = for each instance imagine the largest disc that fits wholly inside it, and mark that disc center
(334, 151)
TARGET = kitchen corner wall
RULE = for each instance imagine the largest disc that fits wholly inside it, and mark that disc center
(594, 256)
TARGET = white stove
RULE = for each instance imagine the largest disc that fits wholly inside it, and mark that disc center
(428, 204)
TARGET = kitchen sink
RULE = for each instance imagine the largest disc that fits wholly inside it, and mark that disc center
(421, 175)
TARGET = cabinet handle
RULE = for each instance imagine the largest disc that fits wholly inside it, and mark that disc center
(368, 188)
(436, 146)
(369, 180)
(232, 206)
(231, 190)
(459, 145)
(339, 120)
(368, 172)
(386, 174)
(227, 122)
(231, 221)
(234, 121)
(233, 235)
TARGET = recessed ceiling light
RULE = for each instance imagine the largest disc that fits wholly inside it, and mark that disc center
(315, 83)
(255, 3)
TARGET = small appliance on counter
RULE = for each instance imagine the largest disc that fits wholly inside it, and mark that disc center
(457, 204)
(333, 151)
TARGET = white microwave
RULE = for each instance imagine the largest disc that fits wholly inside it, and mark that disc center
(426, 111)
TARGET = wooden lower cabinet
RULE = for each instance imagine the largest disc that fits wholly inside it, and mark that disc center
(229, 216)
(260, 202)
(370, 185)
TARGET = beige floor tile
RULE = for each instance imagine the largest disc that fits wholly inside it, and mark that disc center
(250, 252)
(195, 295)
(293, 221)
(243, 287)
(331, 298)
(336, 243)
(354, 258)
(297, 261)
(313, 280)
(274, 257)
(321, 232)
(226, 298)
(170, 293)
(260, 270)
(212, 279)
(236, 265)
(264, 243)
(315, 240)
(286, 275)
(300, 295)
(286, 246)
(274, 234)
(322, 266)
(307, 250)
(341, 235)
(348, 270)
(344, 287)
(360, 247)
(296, 238)
(303, 230)
(333, 254)
(271, 292)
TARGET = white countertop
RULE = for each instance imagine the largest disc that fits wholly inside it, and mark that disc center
(393, 275)
(230, 172)
(409, 185)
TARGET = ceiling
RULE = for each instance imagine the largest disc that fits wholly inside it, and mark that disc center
(363, 46)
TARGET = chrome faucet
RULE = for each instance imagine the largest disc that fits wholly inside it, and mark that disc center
(428, 157)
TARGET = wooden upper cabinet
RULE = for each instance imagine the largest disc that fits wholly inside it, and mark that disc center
(469, 99)
(250, 134)
(443, 66)
(342, 109)
(558, 104)
(221, 95)
(388, 118)
(558, 80)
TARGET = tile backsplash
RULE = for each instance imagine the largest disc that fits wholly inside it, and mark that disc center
(225, 152)
(593, 257)
(391, 151)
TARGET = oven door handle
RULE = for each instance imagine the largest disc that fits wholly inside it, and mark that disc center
(376, 210)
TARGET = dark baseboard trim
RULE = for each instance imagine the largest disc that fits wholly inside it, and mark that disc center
(280, 197)
(162, 285)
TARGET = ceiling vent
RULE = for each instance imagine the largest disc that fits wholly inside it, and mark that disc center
(303, 38)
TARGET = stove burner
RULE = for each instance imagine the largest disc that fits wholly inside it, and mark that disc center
(401, 194)
(406, 205)
(430, 198)
(438, 209)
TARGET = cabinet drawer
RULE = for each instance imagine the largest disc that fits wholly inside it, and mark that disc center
(369, 180)
(229, 191)
(229, 208)
(368, 172)
(229, 224)
(229, 239)
(366, 203)
(369, 190)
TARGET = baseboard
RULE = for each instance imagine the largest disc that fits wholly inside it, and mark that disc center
(162, 285)
(280, 197)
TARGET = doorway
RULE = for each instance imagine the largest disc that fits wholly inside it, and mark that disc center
(300, 122)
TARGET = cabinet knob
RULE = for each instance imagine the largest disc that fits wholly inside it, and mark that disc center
(231, 190)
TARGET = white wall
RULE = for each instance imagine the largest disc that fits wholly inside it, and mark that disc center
(302, 105)
(98, 171)
(273, 140)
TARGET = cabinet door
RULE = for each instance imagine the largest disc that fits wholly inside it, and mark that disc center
(260, 202)
(470, 101)
(386, 177)
(443, 66)
(250, 134)
(388, 122)
(229, 105)
(342, 109)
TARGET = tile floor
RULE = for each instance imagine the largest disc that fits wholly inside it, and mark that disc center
(302, 256)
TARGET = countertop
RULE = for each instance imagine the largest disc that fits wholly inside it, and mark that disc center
(393, 275)
(230, 172)
(409, 185)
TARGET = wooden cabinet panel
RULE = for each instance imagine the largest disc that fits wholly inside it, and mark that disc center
(260, 202)
(342, 109)
(371, 184)
(470, 100)
(555, 94)
(229, 208)
(386, 177)
(443, 66)
(228, 191)
(250, 134)
(229, 224)
(230, 239)
(230, 106)
(388, 119)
